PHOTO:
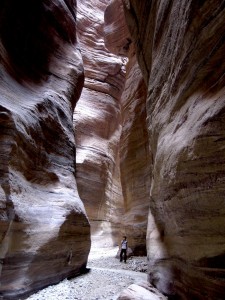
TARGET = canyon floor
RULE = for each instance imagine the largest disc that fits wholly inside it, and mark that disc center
(106, 277)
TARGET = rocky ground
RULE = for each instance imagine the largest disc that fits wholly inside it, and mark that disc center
(105, 279)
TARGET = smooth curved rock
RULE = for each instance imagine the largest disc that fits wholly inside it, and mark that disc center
(116, 34)
(180, 48)
(135, 164)
(44, 230)
(100, 115)
(141, 291)
(135, 160)
(97, 126)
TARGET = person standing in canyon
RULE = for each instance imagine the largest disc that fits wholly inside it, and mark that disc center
(123, 251)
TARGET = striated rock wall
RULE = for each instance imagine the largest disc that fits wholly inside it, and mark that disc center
(180, 48)
(97, 123)
(156, 140)
(116, 33)
(135, 157)
(135, 163)
(110, 126)
(44, 231)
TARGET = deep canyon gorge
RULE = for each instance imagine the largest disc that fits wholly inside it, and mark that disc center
(112, 122)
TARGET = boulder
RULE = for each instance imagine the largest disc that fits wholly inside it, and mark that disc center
(141, 291)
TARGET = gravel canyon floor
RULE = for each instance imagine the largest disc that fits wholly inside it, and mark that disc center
(105, 279)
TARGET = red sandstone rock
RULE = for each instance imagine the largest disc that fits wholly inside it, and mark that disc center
(180, 48)
(44, 231)
(116, 34)
(97, 125)
(134, 151)
(135, 157)
(99, 116)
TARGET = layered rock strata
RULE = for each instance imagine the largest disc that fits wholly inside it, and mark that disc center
(97, 123)
(179, 151)
(44, 231)
(180, 48)
(107, 123)
(135, 162)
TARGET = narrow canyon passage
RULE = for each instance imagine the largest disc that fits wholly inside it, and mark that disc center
(110, 129)
(112, 123)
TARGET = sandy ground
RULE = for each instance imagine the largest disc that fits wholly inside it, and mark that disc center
(106, 278)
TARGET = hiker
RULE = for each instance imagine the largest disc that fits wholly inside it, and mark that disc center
(123, 251)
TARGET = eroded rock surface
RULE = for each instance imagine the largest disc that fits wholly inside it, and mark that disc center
(141, 291)
(108, 123)
(135, 164)
(44, 231)
(180, 48)
(135, 157)
(97, 122)
(174, 161)
(116, 33)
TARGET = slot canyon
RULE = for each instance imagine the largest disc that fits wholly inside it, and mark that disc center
(112, 123)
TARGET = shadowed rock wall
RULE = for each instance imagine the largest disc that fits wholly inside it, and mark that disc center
(180, 48)
(44, 231)
(135, 163)
(135, 157)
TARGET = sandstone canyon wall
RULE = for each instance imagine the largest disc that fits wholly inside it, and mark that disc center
(149, 140)
(180, 48)
(44, 231)
(110, 118)
(97, 123)
(134, 152)
(135, 157)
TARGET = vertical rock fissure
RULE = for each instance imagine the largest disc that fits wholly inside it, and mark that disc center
(110, 129)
